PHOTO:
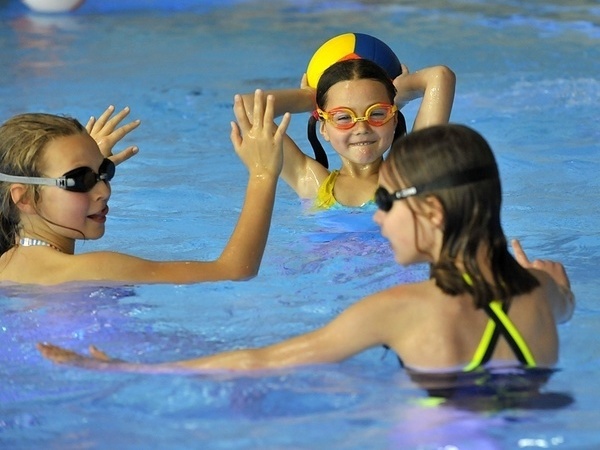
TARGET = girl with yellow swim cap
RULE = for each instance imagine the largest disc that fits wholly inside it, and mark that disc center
(356, 105)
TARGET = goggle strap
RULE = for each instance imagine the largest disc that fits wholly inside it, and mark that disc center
(60, 182)
(63, 182)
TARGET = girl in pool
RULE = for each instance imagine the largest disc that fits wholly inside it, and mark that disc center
(439, 201)
(54, 189)
(357, 105)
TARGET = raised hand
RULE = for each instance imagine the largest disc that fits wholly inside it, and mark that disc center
(555, 269)
(259, 144)
(106, 134)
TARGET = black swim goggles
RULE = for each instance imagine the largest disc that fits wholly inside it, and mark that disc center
(385, 200)
(81, 179)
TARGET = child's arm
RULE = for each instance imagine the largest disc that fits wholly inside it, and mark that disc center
(435, 85)
(356, 329)
(301, 172)
(260, 148)
(106, 134)
(294, 100)
(564, 301)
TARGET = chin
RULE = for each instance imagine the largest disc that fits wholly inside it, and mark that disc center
(97, 234)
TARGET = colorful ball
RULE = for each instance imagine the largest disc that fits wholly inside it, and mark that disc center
(352, 46)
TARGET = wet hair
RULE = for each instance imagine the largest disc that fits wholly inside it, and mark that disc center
(350, 69)
(471, 211)
(22, 141)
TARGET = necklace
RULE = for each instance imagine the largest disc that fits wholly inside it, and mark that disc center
(31, 242)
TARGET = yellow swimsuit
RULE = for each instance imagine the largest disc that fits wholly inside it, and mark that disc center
(325, 198)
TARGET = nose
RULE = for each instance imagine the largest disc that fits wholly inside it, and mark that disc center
(378, 217)
(102, 190)
(362, 124)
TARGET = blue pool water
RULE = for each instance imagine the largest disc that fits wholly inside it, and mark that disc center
(527, 79)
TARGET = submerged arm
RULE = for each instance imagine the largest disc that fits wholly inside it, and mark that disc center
(356, 329)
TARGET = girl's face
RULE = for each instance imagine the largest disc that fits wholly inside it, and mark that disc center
(411, 234)
(82, 211)
(363, 143)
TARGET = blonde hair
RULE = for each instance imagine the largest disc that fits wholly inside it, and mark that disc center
(22, 141)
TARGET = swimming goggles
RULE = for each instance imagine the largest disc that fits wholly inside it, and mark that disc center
(344, 118)
(385, 200)
(81, 179)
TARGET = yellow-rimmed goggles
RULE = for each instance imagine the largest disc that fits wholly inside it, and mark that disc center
(344, 118)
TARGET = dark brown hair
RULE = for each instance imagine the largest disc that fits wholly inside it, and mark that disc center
(471, 211)
(350, 69)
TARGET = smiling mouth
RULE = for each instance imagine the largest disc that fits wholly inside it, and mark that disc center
(99, 216)
(362, 144)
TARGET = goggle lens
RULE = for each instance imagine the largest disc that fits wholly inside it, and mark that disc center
(83, 179)
(344, 118)
(383, 199)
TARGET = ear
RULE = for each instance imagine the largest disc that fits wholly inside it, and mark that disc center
(19, 194)
(323, 130)
(434, 211)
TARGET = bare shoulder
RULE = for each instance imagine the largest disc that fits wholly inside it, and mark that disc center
(403, 304)
(304, 174)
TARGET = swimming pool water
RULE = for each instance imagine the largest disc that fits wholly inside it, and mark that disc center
(527, 79)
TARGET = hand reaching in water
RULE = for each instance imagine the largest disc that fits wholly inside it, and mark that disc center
(59, 355)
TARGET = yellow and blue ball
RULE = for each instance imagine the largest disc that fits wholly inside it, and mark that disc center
(352, 46)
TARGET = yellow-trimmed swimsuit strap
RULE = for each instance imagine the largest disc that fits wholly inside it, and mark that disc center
(516, 336)
(483, 346)
(325, 198)
(486, 338)
(509, 331)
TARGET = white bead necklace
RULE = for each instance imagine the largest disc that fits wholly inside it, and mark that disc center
(31, 242)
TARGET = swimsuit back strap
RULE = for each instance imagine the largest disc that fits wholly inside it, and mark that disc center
(510, 333)
(488, 341)
(486, 347)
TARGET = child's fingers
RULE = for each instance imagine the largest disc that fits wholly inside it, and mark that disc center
(269, 113)
(104, 116)
(98, 354)
(124, 155)
(235, 136)
(283, 125)
(239, 111)
(113, 122)
(258, 114)
(520, 255)
(89, 126)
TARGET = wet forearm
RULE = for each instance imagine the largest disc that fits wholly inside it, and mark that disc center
(245, 249)
(286, 100)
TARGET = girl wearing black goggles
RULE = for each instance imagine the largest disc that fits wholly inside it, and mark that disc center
(39, 228)
(81, 179)
(481, 309)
